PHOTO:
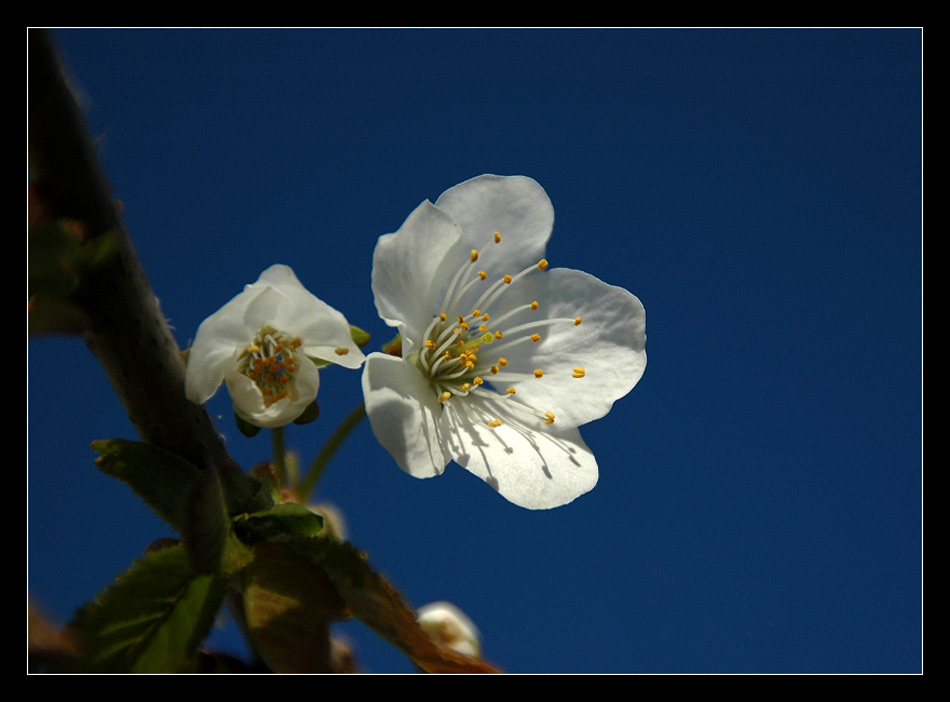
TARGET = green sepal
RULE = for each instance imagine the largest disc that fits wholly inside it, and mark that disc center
(151, 619)
(249, 430)
(309, 415)
(394, 347)
(360, 337)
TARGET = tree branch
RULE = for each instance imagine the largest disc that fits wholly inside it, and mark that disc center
(126, 330)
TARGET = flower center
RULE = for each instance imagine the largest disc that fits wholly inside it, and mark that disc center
(467, 350)
(271, 362)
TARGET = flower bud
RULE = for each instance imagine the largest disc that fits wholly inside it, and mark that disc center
(450, 626)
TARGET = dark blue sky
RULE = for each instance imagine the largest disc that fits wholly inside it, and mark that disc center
(759, 503)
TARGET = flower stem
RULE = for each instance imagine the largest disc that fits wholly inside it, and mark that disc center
(306, 486)
(277, 451)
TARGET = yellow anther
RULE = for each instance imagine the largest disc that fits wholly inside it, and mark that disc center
(494, 370)
(577, 321)
(430, 344)
(534, 305)
(579, 372)
(445, 396)
(543, 264)
(497, 238)
(535, 338)
(464, 326)
(482, 328)
(502, 362)
(465, 387)
(474, 255)
(510, 391)
(482, 275)
(494, 423)
(538, 373)
(485, 317)
(477, 381)
(443, 316)
(296, 343)
(477, 313)
(497, 334)
(342, 351)
(507, 279)
(549, 417)
(253, 349)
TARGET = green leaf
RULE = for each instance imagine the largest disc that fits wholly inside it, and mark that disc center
(288, 606)
(161, 478)
(190, 500)
(288, 601)
(152, 618)
(285, 522)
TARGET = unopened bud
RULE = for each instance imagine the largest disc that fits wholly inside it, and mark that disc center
(450, 626)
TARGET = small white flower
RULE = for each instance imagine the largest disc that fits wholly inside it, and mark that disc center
(502, 359)
(263, 345)
(447, 624)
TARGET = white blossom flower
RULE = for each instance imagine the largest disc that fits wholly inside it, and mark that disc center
(447, 624)
(263, 345)
(502, 358)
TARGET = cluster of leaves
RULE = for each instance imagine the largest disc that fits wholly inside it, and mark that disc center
(274, 563)
(281, 571)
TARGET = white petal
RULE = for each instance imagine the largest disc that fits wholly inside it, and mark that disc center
(403, 412)
(408, 265)
(535, 469)
(322, 329)
(280, 277)
(515, 206)
(218, 342)
(249, 403)
(609, 345)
